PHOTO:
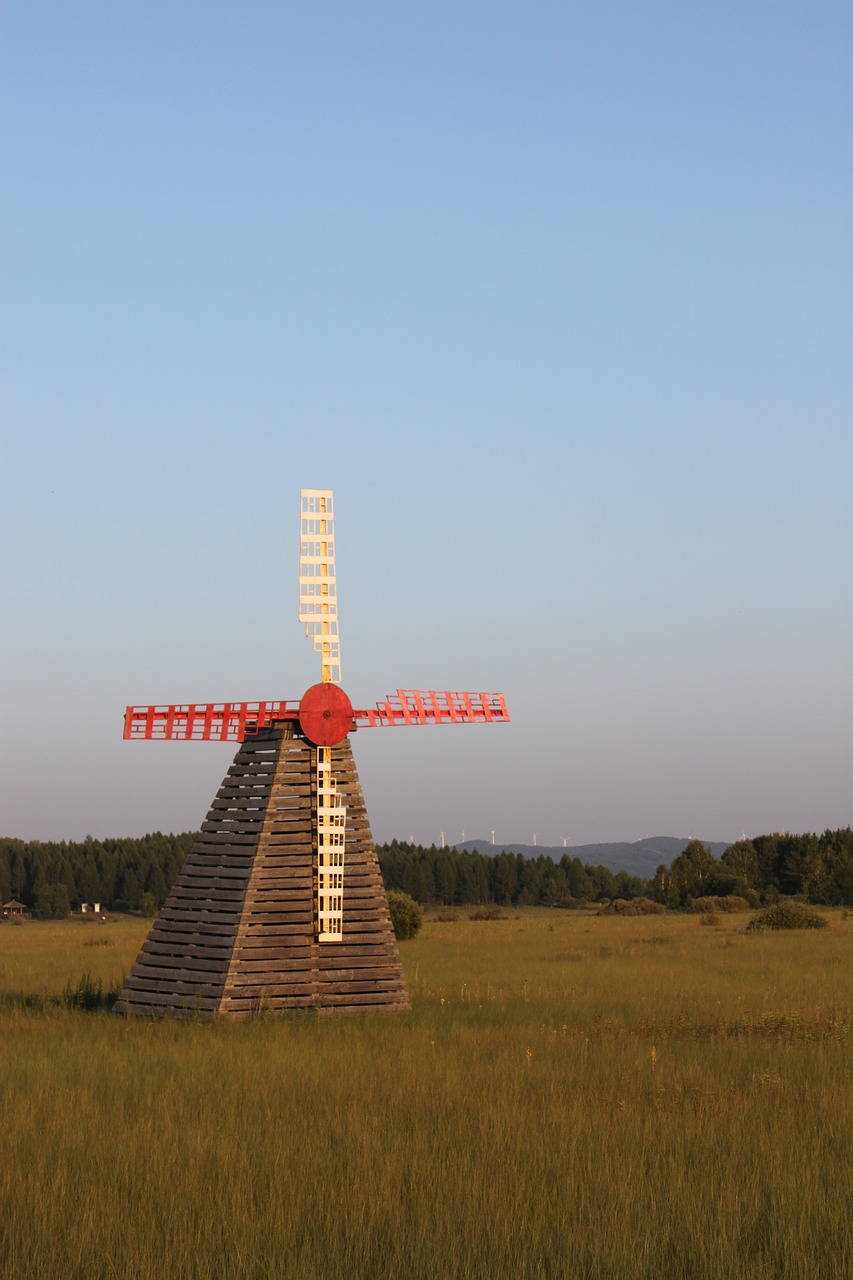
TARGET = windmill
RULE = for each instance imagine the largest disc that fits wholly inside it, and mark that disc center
(280, 902)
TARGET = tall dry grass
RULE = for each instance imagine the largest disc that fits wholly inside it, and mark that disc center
(570, 1096)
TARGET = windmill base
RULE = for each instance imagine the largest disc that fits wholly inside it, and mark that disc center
(237, 936)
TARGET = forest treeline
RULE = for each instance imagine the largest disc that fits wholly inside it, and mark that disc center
(52, 878)
(817, 868)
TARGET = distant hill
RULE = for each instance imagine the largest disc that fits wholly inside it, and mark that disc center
(640, 858)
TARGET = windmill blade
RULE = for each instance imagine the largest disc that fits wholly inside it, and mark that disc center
(232, 721)
(429, 706)
(318, 603)
(331, 846)
(204, 721)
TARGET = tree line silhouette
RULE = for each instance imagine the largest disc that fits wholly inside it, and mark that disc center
(128, 874)
(52, 877)
(817, 868)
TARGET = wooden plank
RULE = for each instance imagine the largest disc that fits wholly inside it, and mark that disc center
(181, 920)
(165, 994)
(364, 1001)
(191, 944)
(277, 965)
(203, 959)
(277, 987)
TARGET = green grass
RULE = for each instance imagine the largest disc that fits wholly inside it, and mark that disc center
(571, 1096)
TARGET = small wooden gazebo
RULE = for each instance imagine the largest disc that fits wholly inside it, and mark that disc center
(14, 910)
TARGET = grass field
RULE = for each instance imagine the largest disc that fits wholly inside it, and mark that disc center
(571, 1096)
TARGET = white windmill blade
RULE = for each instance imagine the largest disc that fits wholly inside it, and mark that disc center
(318, 599)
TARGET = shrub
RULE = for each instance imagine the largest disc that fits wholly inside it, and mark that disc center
(709, 917)
(633, 907)
(446, 917)
(89, 993)
(788, 915)
(489, 912)
(646, 907)
(406, 915)
(731, 902)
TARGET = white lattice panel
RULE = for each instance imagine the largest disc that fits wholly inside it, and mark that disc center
(318, 603)
(331, 847)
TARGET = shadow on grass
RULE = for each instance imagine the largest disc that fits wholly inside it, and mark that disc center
(89, 995)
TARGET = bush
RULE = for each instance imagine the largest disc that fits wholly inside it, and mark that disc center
(731, 902)
(489, 912)
(788, 915)
(88, 994)
(406, 915)
(633, 907)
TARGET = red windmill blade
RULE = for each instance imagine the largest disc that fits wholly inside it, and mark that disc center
(231, 721)
(309, 739)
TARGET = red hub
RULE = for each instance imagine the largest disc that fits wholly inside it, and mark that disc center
(325, 715)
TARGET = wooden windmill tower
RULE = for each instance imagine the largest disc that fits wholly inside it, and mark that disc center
(280, 903)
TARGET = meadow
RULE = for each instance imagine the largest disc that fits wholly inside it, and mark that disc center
(571, 1096)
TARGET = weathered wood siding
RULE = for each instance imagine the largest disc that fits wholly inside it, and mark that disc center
(237, 934)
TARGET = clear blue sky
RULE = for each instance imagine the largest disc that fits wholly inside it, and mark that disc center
(556, 298)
